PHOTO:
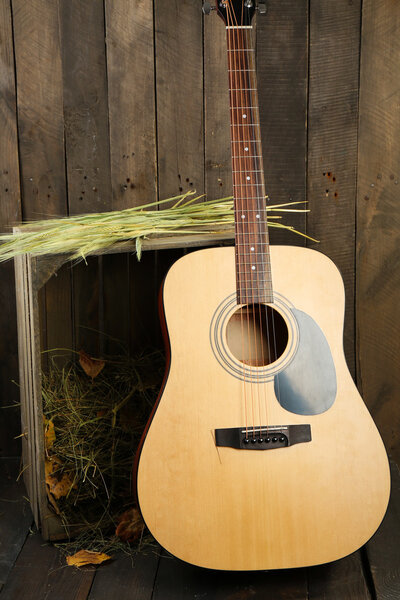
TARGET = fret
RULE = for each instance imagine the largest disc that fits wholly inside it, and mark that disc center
(250, 183)
(253, 244)
(245, 141)
(241, 70)
(242, 89)
(250, 124)
(254, 171)
(236, 156)
(240, 49)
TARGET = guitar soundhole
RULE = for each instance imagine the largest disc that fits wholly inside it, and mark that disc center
(257, 335)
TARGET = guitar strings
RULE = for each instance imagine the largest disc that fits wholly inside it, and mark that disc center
(261, 222)
(242, 61)
(232, 68)
(248, 187)
(239, 86)
(263, 225)
(239, 89)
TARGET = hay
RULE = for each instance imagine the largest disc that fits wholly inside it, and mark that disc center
(83, 235)
(97, 425)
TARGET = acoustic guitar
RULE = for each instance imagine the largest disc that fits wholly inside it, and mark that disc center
(260, 453)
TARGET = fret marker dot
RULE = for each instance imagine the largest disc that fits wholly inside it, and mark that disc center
(246, 149)
(257, 216)
(243, 216)
(244, 116)
(253, 268)
(248, 178)
(252, 249)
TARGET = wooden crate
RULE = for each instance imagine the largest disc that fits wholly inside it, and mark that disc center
(31, 275)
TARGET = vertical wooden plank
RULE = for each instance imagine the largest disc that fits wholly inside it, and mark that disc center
(41, 135)
(217, 147)
(179, 85)
(10, 214)
(40, 107)
(130, 62)
(378, 217)
(282, 67)
(332, 141)
(85, 106)
(87, 148)
(116, 284)
(143, 320)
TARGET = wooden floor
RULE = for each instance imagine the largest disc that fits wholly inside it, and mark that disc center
(33, 570)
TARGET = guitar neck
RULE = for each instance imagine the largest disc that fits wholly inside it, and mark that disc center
(253, 268)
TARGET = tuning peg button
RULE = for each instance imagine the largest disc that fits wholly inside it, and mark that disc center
(207, 8)
(262, 8)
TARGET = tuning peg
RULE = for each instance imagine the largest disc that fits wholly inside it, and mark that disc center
(207, 8)
(262, 8)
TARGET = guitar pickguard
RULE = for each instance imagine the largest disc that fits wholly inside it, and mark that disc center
(307, 385)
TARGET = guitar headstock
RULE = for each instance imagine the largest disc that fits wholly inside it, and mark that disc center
(236, 12)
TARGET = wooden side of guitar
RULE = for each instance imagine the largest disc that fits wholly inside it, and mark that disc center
(231, 509)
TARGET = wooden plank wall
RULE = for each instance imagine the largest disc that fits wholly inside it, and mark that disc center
(111, 103)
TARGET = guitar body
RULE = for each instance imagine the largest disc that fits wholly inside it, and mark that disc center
(256, 508)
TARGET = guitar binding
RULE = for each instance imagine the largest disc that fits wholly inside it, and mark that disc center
(262, 438)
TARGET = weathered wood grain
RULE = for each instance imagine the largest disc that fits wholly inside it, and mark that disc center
(332, 141)
(179, 88)
(131, 97)
(342, 579)
(85, 106)
(177, 580)
(87, 295)
(127, 578)
(87, 147)
(40, 572)
(143, 322)
(116, 299)
(383, 548)
(15, 516)
(378, 219)
(282, 69)
(217, 141)
(40, 108)
(41, 130)
(10, 213)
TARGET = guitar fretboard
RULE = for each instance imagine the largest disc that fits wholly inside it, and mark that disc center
(253, 268)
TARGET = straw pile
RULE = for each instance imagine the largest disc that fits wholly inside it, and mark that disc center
(95, 413)
(88, 234)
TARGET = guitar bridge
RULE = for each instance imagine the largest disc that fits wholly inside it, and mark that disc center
(262, 438)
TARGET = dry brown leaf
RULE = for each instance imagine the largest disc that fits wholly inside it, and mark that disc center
(49, 434)
(87, 557)
(58, 484)
(130, 525)
(91, 366)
